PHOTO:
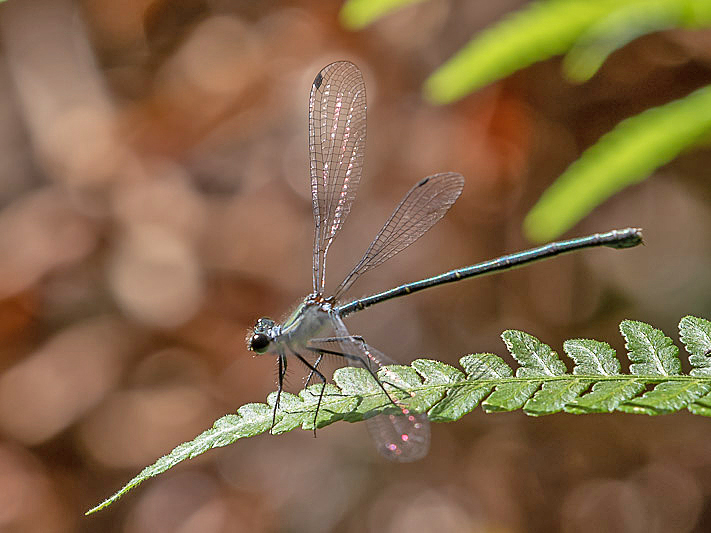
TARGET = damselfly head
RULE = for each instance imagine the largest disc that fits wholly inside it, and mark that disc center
(259, 337)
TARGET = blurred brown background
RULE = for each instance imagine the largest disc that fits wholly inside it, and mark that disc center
(154, 201)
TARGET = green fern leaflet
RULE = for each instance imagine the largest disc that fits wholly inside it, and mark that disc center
(585, 33)
(622, 157)
(541, 385)
(588, 32)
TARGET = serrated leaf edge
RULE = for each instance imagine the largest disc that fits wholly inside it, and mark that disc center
(245, 423)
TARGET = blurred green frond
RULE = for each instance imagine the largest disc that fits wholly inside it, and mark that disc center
(541, 385)
(626, 155)
(590, 31)
(536, 32)
(356, 14)
(623, 25)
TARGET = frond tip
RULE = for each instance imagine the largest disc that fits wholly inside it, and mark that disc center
(541, 385)
(622, 157)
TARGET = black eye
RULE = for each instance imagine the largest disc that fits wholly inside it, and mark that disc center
(259, 342)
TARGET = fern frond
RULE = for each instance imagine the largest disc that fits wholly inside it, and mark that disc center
(356, 14)
(628, 22)
(541, 385)
(624, 156)
(541, 30)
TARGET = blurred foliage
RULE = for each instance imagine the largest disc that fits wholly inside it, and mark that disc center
(625, 22)
(587, 32)
(626, 155)
(541, 386)
(357, 14)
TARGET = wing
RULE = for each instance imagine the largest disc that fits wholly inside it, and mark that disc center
(337, 150)
(399, 437)
(423, 206)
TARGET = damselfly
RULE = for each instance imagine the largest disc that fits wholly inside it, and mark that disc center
(337, 131)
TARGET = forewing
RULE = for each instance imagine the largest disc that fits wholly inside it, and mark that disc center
(402, 437)
(421, 208)
(337, 129)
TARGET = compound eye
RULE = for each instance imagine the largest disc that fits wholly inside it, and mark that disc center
(259, 342)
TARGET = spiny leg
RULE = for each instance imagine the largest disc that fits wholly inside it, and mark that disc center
(314, 370)
(281, 365)
(354, 338)
(311, 374)
(365, 364)
(357, 339)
